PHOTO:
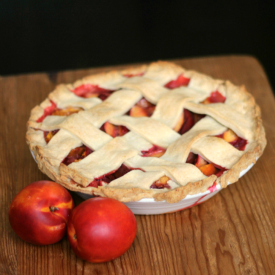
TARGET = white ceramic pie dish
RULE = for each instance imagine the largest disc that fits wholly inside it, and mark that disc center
(148, 206)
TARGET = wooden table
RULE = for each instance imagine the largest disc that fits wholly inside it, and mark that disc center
(232, 233)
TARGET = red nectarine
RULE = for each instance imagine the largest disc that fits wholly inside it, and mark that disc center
(115, 130)
(101, 229)
(39, 213)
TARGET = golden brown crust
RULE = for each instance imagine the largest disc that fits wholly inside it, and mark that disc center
(74, 181)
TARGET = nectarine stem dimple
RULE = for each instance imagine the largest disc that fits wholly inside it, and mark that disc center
(75, 236)
(53, 208)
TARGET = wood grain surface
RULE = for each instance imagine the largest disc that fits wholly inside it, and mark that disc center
(232, 233)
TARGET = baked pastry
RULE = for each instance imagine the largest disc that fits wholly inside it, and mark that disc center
(154, 131)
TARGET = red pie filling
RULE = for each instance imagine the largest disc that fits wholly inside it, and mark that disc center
(47, 111)
(239, 144)
(52, 110)
(132, 75)
(215, 97)
(187, 121)
(206, 168)
(236, 141)
(161, 183)
(107, 178)
(77, 154)
(142, 108)
(90, 90)
(114, 130)
(188, 118)
(154, 151)
(49, 134)
(180, 81)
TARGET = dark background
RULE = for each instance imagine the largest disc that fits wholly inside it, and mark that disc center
(56, 35)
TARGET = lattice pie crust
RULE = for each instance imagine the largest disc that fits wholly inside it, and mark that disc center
(106, 155)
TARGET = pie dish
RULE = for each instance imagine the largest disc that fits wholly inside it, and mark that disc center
(155, 131)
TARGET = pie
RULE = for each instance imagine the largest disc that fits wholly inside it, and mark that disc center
(154, 131)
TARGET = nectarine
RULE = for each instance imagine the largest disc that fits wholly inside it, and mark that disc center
(101, 229)
(39, 213)
(137, 111)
